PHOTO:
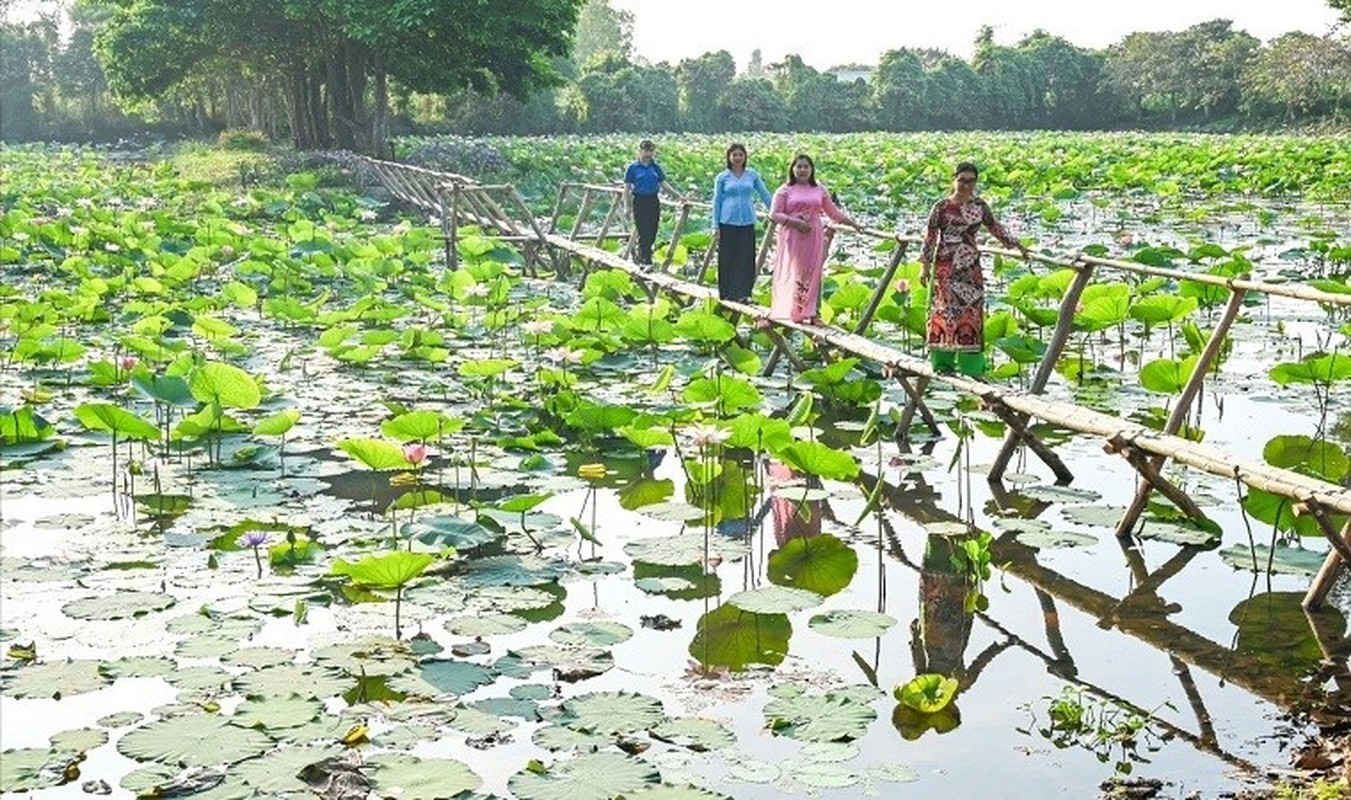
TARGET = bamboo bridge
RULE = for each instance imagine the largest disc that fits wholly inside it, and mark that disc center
(456, 201)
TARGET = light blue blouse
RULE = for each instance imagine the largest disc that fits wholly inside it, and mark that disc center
(733, 201)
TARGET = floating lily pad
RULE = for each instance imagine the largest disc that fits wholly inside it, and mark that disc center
(774, 600)
(672, 511)
(223, 627)
(210, 679)
(486, 625)
(122, 605)
(599, 634)
(121, 719)
(561, 738)
(893, 773)
(572, 663)
(199, 740)
(662, 585)
(751, 770)
(259, 657)
(371, 657)
(478, 723)
(30, 768)
(412, 778)
(595, 776)
(79, 740)
(1180, 533)
(442, 676)
(825, 776)
(732, 638)
(527, 710)
(307, 680)
(850, 624)
(825, 717)
(1098, 516)
(665, 791)
(53, 679)
(612, 712)
(1049, 539)
(695, 734)
(511, 598)
(276, 772)
(270, 713)
(1286, 560)
(830, 752)
(1060, 494)
(512, 571)
(139, 667)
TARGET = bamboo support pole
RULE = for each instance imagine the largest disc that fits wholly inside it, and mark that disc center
(915, 403)
(558, 207)
(708, 257)
(676, 233)
(1064, 326)
(1018, 425)
(1178, 415)
(1329, 529)
(582, 213)
(880, 292)
(453, 233)
(615, 205)
(1327, 574)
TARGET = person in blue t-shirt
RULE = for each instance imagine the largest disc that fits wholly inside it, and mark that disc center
(734, 193)
(643, 181)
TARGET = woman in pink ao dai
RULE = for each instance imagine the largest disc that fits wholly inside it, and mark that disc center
(798, 209)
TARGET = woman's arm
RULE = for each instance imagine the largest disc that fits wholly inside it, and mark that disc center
(833, 211)
(761, 189)
(999, 231)
(926, 255)
(717, 200)
(778, 209)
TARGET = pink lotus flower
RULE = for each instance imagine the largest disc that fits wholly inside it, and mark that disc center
(127, 363)
(903, 286)
(415, 453)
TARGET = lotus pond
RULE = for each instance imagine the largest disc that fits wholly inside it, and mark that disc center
(287, 505)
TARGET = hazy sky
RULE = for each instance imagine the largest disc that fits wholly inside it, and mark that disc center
(828, 33)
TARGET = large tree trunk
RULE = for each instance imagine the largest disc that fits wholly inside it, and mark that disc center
(381, 147)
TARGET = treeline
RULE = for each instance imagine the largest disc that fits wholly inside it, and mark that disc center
(113, 74)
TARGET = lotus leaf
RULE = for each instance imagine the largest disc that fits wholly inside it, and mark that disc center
(122, 605)
(412, 778)
(600, 634)
(775, 599)
(595, 776)
(825, 717)
(851, 624)
(271, 713)
(820, 564)
(197, 740)
(53, 679)
(442, 677)
(732, 638)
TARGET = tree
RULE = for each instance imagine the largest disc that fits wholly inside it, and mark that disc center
(701, 82)
(620, 96)
(334, 59)
(1343, 6)
(602, 30)
(752, 104)
(1298, 73)
(901, 91)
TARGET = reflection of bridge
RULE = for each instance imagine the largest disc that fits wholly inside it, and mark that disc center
(596, 220)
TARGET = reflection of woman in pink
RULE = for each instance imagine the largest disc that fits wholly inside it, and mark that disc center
(798, 208)
(792, 518)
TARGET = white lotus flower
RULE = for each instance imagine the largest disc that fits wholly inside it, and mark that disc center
(537, 327)
(709, 435)
(564, 355)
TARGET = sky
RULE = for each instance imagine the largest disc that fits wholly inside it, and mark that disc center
(828, 33)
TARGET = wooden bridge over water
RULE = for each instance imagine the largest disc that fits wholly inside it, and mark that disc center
(598, 220)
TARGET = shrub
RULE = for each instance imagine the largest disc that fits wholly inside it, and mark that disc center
(242, 139)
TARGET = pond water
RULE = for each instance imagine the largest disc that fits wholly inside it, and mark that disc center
(668, 643)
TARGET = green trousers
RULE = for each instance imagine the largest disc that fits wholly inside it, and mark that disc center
(964, 361)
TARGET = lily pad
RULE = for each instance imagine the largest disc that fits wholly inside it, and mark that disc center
(850, 624)
(599, 634)
(307, 680)
(198, 740)
(512, 571)
(1285, 560)
(486, 625)
(412, 778)
(55, 679)
(276, 772)
(827, 717)
(695, 733)
(122, 605)
(774, 600)
(270, 713)
(595, 776)
(1049, 539)
(441, 677)
(624, 713)
(79, 740)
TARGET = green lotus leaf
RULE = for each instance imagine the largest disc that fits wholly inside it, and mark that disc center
(121, 605)
(927, 693)
(829, 717)
(224, 385)
(820, 564)
(412, 778)
(277, 424)
(732, 638)
(385, 571)
(595, 776)
(375, 454)
(851, 624)
(814, 458)
(601, 633)
(1311, 456)
(53, 679)
(270, 713)
(79, 740)
(277, 773)
(194, 740)
(442, 676)
(618, 713)
(115, 420)
(424, 426)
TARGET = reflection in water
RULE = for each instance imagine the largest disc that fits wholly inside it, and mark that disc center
(796, 513)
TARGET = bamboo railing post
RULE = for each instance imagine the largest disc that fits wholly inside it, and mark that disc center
(915, 403)
(708, 258)
(1064, 326)
(1018, 426)
(558, 207)
(1183, 406)
(581, 214)
(676, 233)
(881, 291)
(609, 220)
(529, 216)
(1327, 574)
(447, 238)
(766, 242)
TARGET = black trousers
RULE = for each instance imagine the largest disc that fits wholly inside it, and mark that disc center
(646, 214)
(736, 261)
